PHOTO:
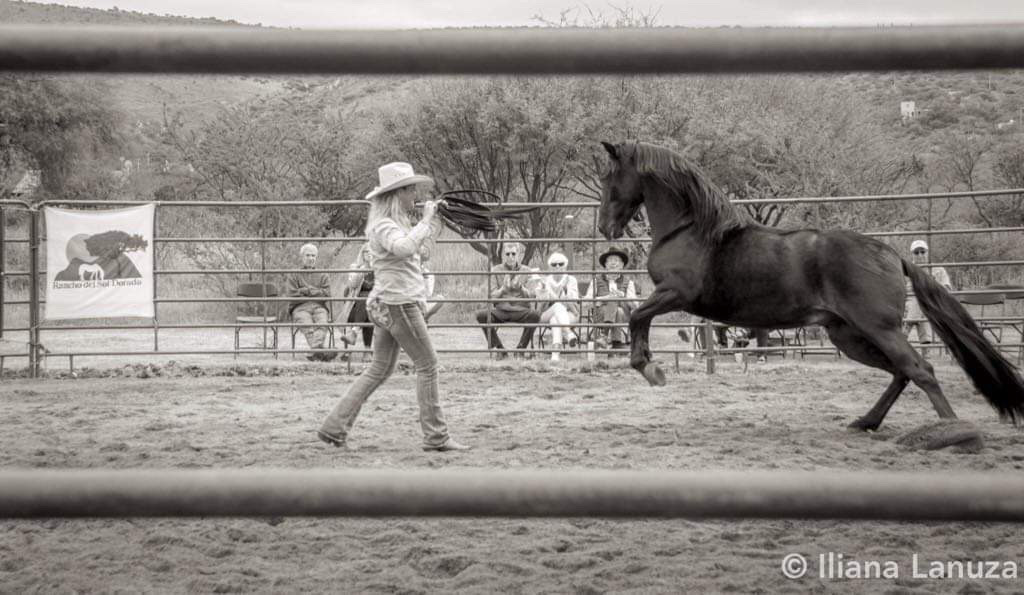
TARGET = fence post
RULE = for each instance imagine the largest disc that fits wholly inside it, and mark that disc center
(33, 295)
(156, 277)
(592, 334)
(709, 345)
(3, 266)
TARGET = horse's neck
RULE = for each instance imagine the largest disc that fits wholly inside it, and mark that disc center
(665, 213)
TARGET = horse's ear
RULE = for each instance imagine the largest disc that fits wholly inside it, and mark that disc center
(611, 150)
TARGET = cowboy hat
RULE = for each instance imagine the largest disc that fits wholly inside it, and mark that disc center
(396, 175)
(614, 252)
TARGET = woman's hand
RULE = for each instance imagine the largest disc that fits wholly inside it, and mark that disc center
(430, 209)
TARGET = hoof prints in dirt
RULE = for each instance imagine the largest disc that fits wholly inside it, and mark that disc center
(429, 563)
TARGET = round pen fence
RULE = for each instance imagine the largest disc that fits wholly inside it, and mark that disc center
(22, 322)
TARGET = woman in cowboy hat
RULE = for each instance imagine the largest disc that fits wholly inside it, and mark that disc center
(616, 288)
(395, 306)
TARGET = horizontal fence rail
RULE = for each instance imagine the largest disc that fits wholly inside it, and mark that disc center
(42, 48)
(475, 493)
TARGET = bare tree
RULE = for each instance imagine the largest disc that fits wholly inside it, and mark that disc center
(960, 158)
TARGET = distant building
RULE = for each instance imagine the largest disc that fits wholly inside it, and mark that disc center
(908, 110)
(27, 184)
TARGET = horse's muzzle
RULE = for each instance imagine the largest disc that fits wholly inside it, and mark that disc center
(610, 232)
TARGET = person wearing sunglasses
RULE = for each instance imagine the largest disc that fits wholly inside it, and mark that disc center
(510, 279)
(562, 291)
(913, 317)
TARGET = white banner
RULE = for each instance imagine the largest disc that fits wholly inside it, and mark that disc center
(99, 264)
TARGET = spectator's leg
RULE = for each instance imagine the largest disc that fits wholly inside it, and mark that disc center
(385, 359)
(606, 314)
(763, 339)
(529, 317)
(303, 314)
(551, 316)
(490, 333)
(923, 329)
(618, 334)
(320, 316)
(358, 315)
(722, 332)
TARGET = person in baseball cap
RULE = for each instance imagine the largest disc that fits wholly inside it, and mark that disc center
(913, 318)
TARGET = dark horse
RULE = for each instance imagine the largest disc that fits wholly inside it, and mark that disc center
(710, 259)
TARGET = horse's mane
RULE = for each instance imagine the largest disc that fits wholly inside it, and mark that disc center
(713, 214)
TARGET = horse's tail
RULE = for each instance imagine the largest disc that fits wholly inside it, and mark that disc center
(995, 377)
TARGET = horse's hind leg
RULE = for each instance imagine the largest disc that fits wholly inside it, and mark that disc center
(912, 364)
(858, 348)
(873, 418)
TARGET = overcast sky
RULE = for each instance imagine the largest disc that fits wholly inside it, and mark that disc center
(407, 14)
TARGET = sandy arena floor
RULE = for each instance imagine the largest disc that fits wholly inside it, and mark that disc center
(780, 415)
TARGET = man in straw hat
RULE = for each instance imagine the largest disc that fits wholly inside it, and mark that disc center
(395, 305)
(620, 292)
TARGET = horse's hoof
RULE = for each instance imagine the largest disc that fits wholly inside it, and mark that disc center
(863, 425)
(652, 372)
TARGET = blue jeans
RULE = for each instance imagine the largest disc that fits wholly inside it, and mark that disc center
(406, 330)
(312, 313)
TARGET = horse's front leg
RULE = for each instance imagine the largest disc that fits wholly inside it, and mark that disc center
(662, 300)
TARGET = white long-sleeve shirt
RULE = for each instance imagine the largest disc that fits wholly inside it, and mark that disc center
(397, 257)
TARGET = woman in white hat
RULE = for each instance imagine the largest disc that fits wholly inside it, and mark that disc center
(562, 291)
(396, 305)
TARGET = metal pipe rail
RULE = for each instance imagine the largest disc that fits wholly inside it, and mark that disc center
(591, 204)
(35, 48)
(980, 263)
(475, 493)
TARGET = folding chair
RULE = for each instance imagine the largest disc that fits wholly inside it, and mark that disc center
(1014, 323)
(258, 314)
(983, 300)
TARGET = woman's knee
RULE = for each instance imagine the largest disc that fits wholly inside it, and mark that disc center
(426, 364)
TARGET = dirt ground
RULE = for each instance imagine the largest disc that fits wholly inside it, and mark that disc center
(781, 415)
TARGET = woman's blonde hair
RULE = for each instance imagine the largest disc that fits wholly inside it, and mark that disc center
(389, 206)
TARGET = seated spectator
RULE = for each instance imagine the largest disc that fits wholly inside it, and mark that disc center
(513, 280)
(360, 284)
(311, 287)
(612, 286)
(912, 310)
(562, 311)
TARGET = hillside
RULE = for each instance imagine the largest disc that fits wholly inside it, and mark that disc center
(17, 12)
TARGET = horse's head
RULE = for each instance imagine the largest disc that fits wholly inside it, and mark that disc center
(621, 195)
